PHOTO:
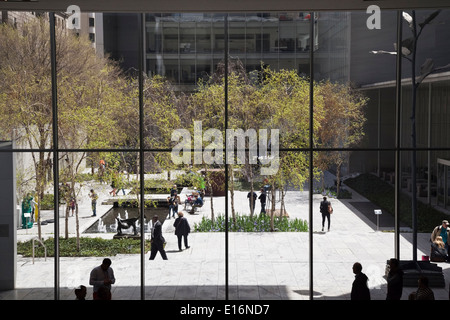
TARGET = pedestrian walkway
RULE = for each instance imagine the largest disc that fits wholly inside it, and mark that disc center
(272, 265)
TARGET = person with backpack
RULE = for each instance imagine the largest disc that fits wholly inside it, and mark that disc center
(444, 232)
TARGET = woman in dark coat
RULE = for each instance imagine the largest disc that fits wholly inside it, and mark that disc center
(182, 229)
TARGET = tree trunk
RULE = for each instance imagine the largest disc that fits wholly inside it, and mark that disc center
(272, 209)
(252, 190)
(77, 225)
(338, 178)
(233, 212)
(66, 233)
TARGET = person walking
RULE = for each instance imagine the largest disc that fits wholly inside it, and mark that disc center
(262, 199)
(94, 198)
(326, 209)
(444, 231)
(394, 280)
(182, 230)
(157, 240)
(360, 290)
(102, 276)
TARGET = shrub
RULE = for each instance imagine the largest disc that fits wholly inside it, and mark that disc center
(257, 223)
(382, 194)
(47, 202)
(89, 247)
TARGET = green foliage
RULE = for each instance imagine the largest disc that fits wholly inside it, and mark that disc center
(89, 247)
(47, 202)
(191, 179)
(257, 223)
(382, 193)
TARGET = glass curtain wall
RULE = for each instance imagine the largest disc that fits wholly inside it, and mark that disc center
(26, 108)
(155, 144)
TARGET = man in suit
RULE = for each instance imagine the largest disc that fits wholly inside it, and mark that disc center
(157, 240)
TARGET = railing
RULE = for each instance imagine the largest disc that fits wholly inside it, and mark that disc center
(40, 241)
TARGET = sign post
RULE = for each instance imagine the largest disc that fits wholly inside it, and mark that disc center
(377, 213)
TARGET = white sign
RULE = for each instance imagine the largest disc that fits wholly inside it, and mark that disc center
(377, 211)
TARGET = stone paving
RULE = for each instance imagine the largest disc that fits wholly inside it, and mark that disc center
(261, 266)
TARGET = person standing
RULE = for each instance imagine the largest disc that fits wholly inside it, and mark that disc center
(94, 198)
(182, 230)
(102, 276)
(360, 290)
(157, 240)
(173, 205)
(326, 210)
(444, 231)
(394, 280)
(174, 190)
(72, 205)
(252, 196)
(262, 199)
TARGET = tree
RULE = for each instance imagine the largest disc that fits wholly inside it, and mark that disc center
(25, 94)
(287, 95)
(341, 124)
(88, 96)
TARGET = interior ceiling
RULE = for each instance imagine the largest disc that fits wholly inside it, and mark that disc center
(216, 5)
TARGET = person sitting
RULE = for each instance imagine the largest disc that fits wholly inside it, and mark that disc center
(423, 291)
(438, 252)
(199, 201)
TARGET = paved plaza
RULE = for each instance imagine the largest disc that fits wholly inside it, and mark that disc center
(261, 266)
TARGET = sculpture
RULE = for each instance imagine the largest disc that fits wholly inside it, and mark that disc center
(126, 224)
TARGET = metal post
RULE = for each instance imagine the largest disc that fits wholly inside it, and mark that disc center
(55, 150)
(225, 154)
(141, 56)
(311, 128)
(398, 134)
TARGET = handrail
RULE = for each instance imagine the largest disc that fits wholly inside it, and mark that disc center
(40, 241)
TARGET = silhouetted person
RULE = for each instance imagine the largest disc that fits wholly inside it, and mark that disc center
(182, 230)
(157, 240)
(262, 199)
(80, 293)
(324, 205)
(360, 290)
(394, 280)
(100, 276)
(423, 291)
(252, 201)
(103, 293)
